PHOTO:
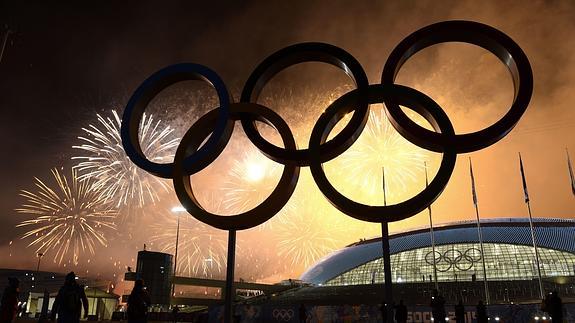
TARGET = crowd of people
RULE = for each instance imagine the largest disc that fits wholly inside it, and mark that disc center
(551, 305)
(71, 300)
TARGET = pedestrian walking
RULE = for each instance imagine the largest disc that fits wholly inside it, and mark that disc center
(69, 302)
(138, 303)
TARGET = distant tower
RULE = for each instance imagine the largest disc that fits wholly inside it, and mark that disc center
(155, 268)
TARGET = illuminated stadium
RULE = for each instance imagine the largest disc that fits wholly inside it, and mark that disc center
(510, 263)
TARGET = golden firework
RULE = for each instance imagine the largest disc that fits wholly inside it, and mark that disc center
(70, 218)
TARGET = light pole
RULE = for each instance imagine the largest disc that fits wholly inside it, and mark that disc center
(39, 255)
(7, 33)
(37, 274)
(177, 210)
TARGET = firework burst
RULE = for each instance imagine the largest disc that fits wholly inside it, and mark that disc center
(311, 232)
(201, 248)
(114, 175)
(251, 180)
(71, 218)
(301, 107)
(380, 146)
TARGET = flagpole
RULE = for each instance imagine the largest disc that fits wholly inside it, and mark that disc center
(386, 257)
(541, 290)
(431, 233)
(570, 168)
(479, 233)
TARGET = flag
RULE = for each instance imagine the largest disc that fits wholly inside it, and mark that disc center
(426, 185)
(384, 195)
(523, 179)
(571, 173)
(473, 193)
(426, 180)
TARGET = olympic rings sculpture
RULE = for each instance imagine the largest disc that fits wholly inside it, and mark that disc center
(216, 127)
(453, 257)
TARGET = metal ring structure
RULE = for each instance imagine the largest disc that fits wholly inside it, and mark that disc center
(377, 93)
(193, 154)
(292, 55)
(469, 258)
(435, 259)
(194, 138)
(137, 104)
(486, 37)
(454, 260)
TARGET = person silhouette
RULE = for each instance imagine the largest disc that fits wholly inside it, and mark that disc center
(438, 306)
(69, 301)
(138, 303)
(9, 307)
(302, 313)
(460, 312)
(383, 311)
(555, 307)
(482, 313)
(401, 312)
(175, 311)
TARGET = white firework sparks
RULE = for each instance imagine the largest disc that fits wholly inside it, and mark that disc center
(71, 218)
(114, 175)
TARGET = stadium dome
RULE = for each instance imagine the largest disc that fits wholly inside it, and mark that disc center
(507, 245)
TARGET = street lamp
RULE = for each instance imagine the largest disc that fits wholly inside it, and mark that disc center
(177, 210)
(40, 255)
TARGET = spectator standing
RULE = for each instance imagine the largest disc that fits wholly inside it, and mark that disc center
(555, 307)
(438, 306)
(69, 301)
(383, 310)
(481, 313)
(9, 306)
(138, 303)
(460, 312)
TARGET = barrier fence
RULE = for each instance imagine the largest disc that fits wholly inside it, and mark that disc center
(371, 313)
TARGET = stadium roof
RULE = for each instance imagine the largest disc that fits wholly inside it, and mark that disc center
(557, 234)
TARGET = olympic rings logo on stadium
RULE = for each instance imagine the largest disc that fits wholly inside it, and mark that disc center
(282, 314)
(216, 127)
(453, 257)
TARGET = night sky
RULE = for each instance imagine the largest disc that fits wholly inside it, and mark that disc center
(64, 63)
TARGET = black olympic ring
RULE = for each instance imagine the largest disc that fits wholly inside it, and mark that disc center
(491, 39)
(143, 96)
(195, 136)
(295, 54)
(453, 257)
(399, 94)
(193, 155)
